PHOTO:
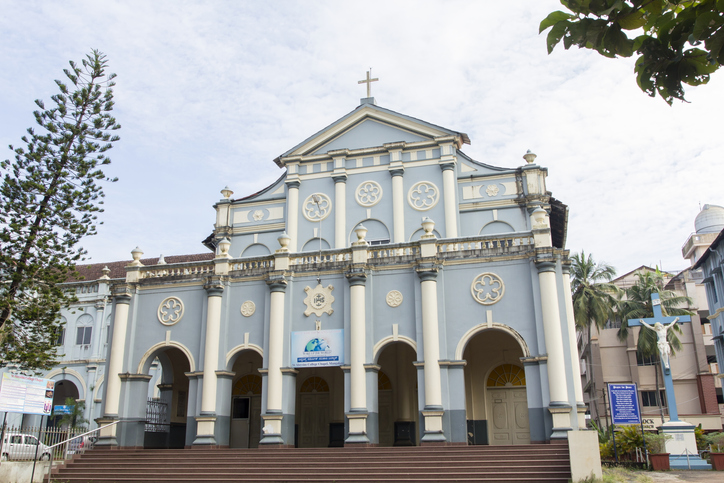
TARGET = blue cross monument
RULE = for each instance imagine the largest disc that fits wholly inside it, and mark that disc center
(682, 445)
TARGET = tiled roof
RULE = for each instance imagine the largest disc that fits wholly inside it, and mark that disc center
(94, 271)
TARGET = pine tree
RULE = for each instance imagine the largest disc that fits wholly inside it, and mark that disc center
(49, 200)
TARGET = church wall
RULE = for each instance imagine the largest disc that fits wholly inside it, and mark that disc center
(235, 325)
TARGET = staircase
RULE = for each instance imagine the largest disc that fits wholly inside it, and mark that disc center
(529, 463)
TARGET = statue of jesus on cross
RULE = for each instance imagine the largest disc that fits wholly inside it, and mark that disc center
(663, 344)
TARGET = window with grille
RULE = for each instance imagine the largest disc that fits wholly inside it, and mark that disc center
(648, 398)
(642, 360)
(83, 335)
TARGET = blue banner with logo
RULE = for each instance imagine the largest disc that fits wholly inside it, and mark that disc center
(624, 404)
(317, 348)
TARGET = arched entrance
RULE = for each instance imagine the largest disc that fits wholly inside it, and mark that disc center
(397, 395)
(245, 430)
(166, 408)
(64, 389)
(320, 407)
(495, 394)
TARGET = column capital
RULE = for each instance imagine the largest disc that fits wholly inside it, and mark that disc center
(356, 276)
(545, 265)
(214, 286)
(427, 272)
(447, 165)
(122, 294)
(293, 184)
(277, 283)
(397, 171)
(339, 178)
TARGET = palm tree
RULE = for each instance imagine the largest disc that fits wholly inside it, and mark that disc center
(593, 301)
(637, 305)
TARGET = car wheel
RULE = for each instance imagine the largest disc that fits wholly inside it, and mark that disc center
(5, 457)
(45, 457)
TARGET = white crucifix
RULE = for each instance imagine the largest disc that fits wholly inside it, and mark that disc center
(369, 82)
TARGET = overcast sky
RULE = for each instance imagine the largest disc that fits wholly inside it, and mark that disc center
(209, 93)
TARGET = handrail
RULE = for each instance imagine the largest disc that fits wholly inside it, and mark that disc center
(52, 453)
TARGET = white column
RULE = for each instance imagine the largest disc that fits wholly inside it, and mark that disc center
(559, 406)
(340, 211)
(293, 214)
(433, 411)
(118, 347)
(273, 412)
(206, 422)
(449, 197)
(398, 205)
(357, 416)
(572, 342)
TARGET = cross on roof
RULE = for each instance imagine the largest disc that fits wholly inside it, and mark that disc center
(369, 82)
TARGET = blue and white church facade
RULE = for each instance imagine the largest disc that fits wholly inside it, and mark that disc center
(386, 290)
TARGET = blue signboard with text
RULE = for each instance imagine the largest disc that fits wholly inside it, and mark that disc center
(624, 404)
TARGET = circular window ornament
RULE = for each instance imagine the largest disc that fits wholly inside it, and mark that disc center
(170, 311)
(394, 298)
(423, 196)
(487, 288)
(317, 207)
(368, 193)
(248, 308)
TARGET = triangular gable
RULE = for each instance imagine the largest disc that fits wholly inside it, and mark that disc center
(369, 123)
(370, 132)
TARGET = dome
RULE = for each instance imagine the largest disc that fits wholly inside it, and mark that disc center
(710, 219)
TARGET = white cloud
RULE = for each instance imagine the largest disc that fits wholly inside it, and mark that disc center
(210, 93)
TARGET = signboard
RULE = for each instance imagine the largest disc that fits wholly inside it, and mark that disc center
(63, 409)
(26, 394)
(317, 348)
(624, 404)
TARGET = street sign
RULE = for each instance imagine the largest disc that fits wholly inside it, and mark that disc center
(624, 404)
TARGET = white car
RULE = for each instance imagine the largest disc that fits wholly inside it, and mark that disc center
(23, 447)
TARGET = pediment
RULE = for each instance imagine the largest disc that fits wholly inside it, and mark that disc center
(369, 126)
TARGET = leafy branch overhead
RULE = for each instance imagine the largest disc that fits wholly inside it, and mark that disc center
(678, 42)
(49, 200)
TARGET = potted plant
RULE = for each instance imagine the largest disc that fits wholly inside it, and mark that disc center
(656, 446)
(716, 442)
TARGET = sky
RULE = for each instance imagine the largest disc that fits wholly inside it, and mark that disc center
(209, 92)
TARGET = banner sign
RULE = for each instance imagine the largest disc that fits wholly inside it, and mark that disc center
(63, 409)
(624, 404)
(317, 348)
(26, 394)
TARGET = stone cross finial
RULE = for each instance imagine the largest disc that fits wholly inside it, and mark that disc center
(369, 82)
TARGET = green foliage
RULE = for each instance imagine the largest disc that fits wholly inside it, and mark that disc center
(75, 418)
(700, 436)
(593, 296)
(629, 439)
(49, 200)
(716, 440)
(678, 41)
(656, 443)
(637, 305)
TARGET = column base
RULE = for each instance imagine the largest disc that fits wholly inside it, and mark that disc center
(205, 426)
(561, 413)
(433, 425)
(272, 429)
(357, 428)
(581, 415)
(107, 436)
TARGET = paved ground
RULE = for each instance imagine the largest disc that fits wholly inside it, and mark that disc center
(628, 476)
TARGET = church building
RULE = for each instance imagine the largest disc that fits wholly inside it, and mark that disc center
(386, 290)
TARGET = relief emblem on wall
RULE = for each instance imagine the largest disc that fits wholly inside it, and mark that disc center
(487, 288)
(423, 195)
(394, 298)
(170, 311)
(368, 193)
(248, 308)
(319, 300)
(317, 207)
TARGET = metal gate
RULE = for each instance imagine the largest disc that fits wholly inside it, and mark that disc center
(157, 420)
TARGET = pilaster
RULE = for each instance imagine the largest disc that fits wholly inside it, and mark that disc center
(293, 213)
(357, 416)
(273, 415)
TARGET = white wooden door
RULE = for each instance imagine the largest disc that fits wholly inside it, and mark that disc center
(508, 416)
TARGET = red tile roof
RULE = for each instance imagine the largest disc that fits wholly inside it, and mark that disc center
(94, 271)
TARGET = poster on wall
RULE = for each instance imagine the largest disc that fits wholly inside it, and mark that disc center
(317, 348)
(26, 394)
